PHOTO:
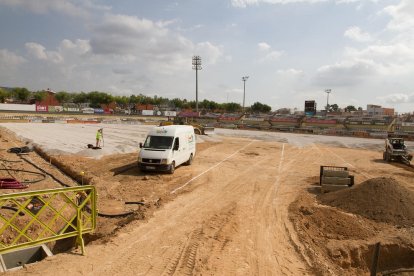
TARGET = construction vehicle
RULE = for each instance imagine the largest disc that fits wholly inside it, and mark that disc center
(333, 178)
(198, 128)
(395, 149)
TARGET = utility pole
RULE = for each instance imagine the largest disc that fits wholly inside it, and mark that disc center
(244, 79)
(327, 91)
(196, 67)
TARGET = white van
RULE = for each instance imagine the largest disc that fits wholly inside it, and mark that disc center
(167, 147)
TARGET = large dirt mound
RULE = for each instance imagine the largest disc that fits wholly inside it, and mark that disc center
(380, 199)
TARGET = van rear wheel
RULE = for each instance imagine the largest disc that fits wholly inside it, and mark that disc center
(172, 168)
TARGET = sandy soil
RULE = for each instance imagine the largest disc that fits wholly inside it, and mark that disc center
(249, 205)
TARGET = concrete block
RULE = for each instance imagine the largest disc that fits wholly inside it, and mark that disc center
(331, 188)
(343, 174)
(336, 180)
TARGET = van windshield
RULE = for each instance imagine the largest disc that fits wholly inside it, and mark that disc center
(158, 142)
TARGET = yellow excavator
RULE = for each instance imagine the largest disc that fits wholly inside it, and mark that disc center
(198, 128)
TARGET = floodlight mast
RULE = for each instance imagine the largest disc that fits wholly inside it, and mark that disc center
(327, 91)
(196, 67)
(244, 79)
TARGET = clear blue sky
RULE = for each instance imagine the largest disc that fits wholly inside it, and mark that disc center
(292, 50)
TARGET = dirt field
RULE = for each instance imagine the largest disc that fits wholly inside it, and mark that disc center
(248, 205)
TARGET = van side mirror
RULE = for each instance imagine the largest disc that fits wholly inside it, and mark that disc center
(176, 146)
(140, 145)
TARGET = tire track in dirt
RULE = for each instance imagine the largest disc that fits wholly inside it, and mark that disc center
(262, 198)
(203, 244)
(287, 190)
(183, 263)
(288, 185)
(280, 214)
(231, 188)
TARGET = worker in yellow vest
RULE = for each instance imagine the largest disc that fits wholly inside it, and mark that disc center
(99, 137)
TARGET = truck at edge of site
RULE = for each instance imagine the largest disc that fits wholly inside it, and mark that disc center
(167, 147)
(395, 149)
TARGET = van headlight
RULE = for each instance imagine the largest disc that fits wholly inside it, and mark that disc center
(164, 161)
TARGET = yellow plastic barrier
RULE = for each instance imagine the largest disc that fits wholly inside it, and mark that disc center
(36, 217)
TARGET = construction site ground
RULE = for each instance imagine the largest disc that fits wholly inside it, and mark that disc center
(250, 204)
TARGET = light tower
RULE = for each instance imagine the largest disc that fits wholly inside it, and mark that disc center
(244, 79)
(327, 91)
(196, 67)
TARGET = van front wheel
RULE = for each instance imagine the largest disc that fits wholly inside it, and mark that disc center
(172, 168)
(190, 160)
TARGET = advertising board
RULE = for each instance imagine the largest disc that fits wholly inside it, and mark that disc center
(41, 108)
(147, 112)
(18, 107)
(170, 113)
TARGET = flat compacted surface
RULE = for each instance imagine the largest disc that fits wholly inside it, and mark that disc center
(250, 204)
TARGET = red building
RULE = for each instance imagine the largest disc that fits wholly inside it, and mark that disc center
(49, 99)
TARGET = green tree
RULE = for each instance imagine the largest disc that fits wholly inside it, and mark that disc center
(20, 93)
(333, 107)
(64, 97)
(209, 105)
(97, 98)
(133, 99)
(231, 107)
(259, 107)
(80, 98)
(350, 108)
(121, 101)
(4, 94)
(177, 103)
(39, 95)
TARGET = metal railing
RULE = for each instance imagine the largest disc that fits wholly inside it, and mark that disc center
(36, 217)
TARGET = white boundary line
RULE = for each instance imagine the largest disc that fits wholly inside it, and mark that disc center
(209, 169)
(281, 157)
(276, 183)
(346, 163)
(367, 175)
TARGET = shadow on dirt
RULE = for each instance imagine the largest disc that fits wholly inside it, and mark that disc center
(133, 170)
(396, 164)
(379, 161)
(128, 169)
(315, 190)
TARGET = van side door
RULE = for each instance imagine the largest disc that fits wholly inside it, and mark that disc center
(177, 151)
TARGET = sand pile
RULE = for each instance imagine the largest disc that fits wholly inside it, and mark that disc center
(380, 199)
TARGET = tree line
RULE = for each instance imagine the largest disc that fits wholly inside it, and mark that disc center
(96, 99)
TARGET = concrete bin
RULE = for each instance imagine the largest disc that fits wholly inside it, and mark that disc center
(16, 259)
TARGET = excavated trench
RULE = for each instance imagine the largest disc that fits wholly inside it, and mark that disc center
(120, 220)
(392, 256)
(68, 171)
